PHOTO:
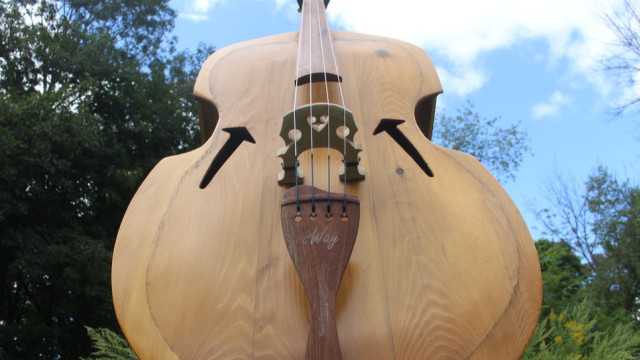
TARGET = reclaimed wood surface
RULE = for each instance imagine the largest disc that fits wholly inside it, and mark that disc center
(443, 267)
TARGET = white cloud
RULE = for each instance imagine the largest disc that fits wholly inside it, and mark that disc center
(194, 17)
(197, 10)
(461, 31)
(282, 3)
(551, 106)
(462, 79)
(202, 6)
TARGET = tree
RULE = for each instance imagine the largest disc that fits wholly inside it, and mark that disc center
(92, 95)
(572, 325)
(501, 150)
(563, 275)
(616, 225)
(602, 223)
(568, 219)
(625, 63)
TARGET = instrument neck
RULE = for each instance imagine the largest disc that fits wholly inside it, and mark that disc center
(316, 60)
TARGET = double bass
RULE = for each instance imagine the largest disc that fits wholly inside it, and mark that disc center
(318, 221)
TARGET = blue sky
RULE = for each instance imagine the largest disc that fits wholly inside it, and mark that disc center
(533, 62)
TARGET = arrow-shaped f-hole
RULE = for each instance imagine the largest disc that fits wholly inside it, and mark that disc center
(391, 127)
(238, 135)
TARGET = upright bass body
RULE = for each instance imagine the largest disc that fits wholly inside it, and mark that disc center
(443, 267)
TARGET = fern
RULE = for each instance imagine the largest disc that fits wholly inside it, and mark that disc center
(109, 346)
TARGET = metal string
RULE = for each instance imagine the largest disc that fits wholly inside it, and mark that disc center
(344, 124)
(311, 119)
(295, 126)
(328, 125)
(313, 192)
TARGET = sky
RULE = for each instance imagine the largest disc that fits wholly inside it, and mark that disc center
(537, 63)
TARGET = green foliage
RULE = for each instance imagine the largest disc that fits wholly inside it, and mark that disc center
(562, 275)
(602, 224)
(501, 150)
(575, 334)
(109, 346)
(616, 211)
(92, 96)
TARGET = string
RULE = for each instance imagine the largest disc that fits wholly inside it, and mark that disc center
(344, 123)
(313, 192)
(328, 125)
(295, 126)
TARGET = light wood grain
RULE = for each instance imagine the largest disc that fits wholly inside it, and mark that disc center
(443, 267)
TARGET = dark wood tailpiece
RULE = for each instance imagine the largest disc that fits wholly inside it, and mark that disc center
(320, 248)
